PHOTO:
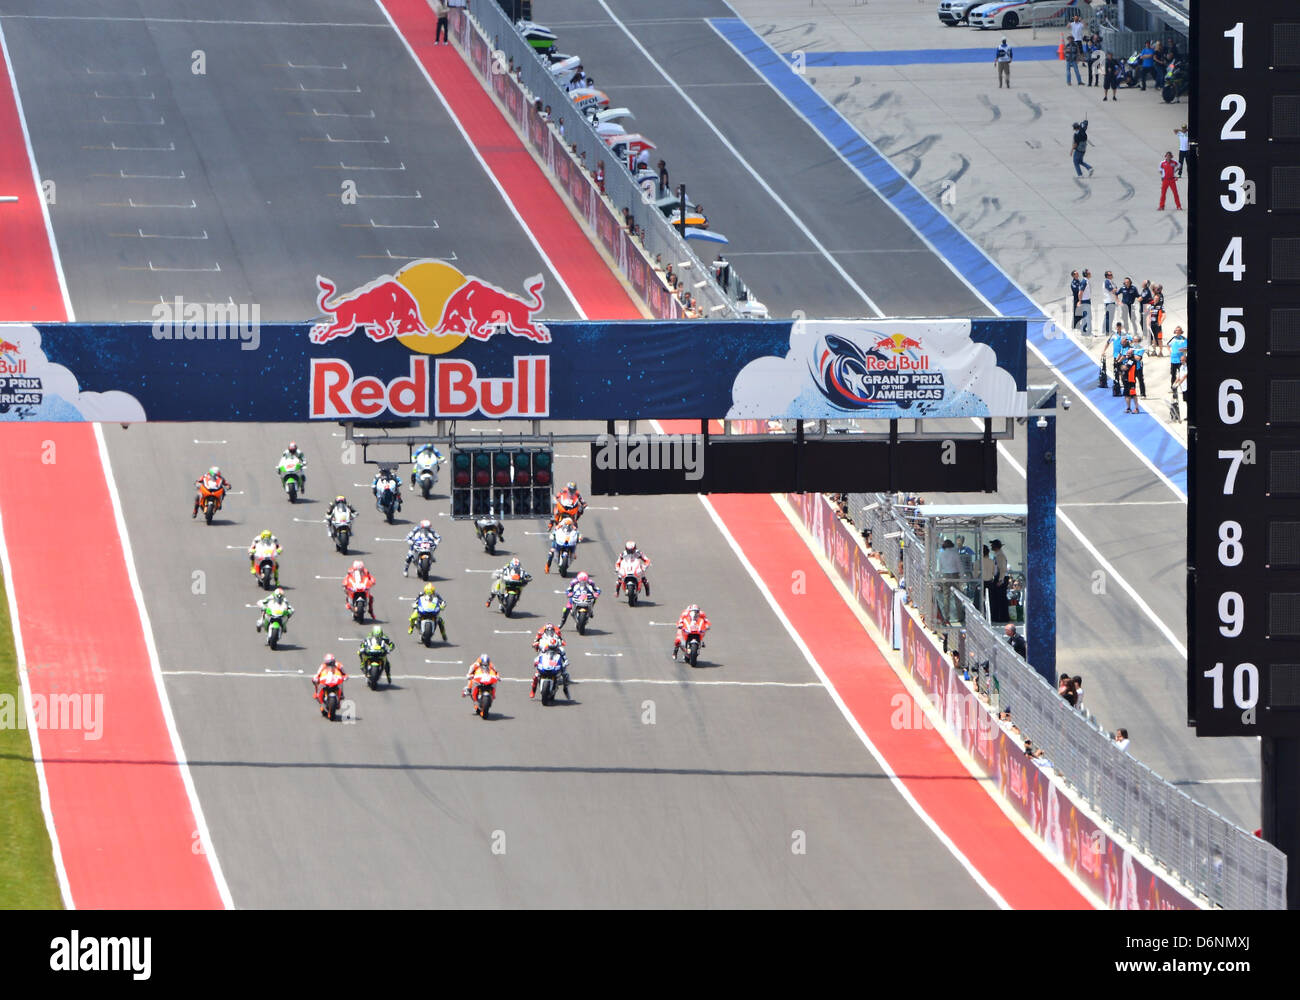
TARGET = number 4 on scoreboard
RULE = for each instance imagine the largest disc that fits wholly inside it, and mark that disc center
(1231, 262)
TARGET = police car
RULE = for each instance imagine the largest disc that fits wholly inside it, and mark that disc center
(953, 12)
(1015, 13)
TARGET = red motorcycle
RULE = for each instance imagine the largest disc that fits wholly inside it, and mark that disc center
(329, 694)
(483, 691)
(357, 585)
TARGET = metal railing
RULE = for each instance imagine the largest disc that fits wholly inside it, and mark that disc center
(661, 237)
(1231, 867)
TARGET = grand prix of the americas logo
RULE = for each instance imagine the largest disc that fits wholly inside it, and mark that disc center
(894, 371)
(400, 308)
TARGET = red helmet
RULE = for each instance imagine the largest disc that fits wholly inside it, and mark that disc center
(425, 523)
(583, 578)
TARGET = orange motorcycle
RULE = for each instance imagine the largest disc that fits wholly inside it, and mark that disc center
(211, 493)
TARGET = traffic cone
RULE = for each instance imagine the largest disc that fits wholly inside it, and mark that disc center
(1060, 50)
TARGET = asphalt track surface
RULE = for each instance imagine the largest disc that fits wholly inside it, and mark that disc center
(592, 803)
(1134, 676)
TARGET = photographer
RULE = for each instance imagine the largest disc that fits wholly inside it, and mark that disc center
(1079, 147)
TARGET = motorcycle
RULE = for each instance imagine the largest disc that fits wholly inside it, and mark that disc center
(275, 621)
(266, 572)
(210, 498)
(291, 477)
(331, 699)
(341, 529)
(694, 640)
(512, 586)
(388, 502)
(373, 665)
(629, 571)
(582, 607)
(551, 675)
(485, 695)
(428, 623)
(1177, 82)
(562, 511)
(566, 547)
(425, 473)
(488, 530)
(424, 557)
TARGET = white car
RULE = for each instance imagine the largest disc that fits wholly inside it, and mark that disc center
(953, 12)
(1015, 13)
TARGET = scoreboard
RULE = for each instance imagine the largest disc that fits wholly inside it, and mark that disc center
(1243, 589)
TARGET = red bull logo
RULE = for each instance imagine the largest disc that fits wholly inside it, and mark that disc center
(8, 366)
(430, 307)
(898, 344)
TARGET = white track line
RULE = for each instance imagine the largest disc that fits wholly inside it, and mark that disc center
(33, 730)
(487, 172)
(459, 678)
(205, 838)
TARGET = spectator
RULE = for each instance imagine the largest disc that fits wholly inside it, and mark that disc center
(663, 178)
(1183, 144)
(670, 279)
(1169, 181)
(1085, 301)
(1144, 298)
(998, 612)
(1108, 290)
(1121, 739)
(1146, 65)
(949, 572)
(1080, 147)
(1078, 690)
(440, 8)
(988, 573)
(1073, 53)
(1114, 76)
(1096, 57)
(1065, 688)
(1180, 386)
(967, 555)
(600, 176)
(1002, 60)
(1076, 285)
(1077, 29)
(1015, 639)
(1128, 294)
(1117, 346)
(1159, 64)
(1139, 361)
(722, 271)
(1177, 350)
(546, 113)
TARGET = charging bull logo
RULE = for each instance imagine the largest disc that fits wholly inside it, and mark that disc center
(8, 364)
(891, 372)
(402, 307)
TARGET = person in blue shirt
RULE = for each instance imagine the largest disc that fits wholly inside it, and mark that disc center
(1139, 355)
(1118, 344)
(1147, 61)
(1177, 352)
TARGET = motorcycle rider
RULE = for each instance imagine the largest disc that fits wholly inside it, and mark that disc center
(430, 600)
(564, 670)
(339, 507)
(377, 642)
(510, 569)
(265, 544)
(424, 449)
(565, 531)
(213, 481)
(293, 451)
(385, 479)
(330, 673)
(630, 551)
(551, 635)
(568, 502)
(421, 532)
(277, 603)
(359, 578)
(581, 585)
(691, 620)
(494, 521)
(482, 667)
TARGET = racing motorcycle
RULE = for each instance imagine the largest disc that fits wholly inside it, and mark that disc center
(388, 500)
(565, 542)
(629, 571)
(265, 569)
(551, 675)
(694, 640)
(210, 497)
(511, 586)
(488, 528)
(427, 622)
(360, 601)
(424, 557)
(373, 663)
(341, 529)
(583, 603)
(291, 477)
(331, 698)
(485, 695)
(425, 473)
(275, 620)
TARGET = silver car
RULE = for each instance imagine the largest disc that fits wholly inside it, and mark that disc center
(1016, 13)
(953, 12)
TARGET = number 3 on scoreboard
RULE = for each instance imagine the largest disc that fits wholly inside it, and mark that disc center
(1245, 684)
(1231, 262)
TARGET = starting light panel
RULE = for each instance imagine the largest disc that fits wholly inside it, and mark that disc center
(508, 482)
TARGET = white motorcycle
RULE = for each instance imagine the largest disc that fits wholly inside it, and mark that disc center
(425, 472)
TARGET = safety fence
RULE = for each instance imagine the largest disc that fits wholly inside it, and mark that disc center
(1211, 856)
(629, 224)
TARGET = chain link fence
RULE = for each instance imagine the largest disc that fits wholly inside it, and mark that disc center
(661, 239)
(1228, 865)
